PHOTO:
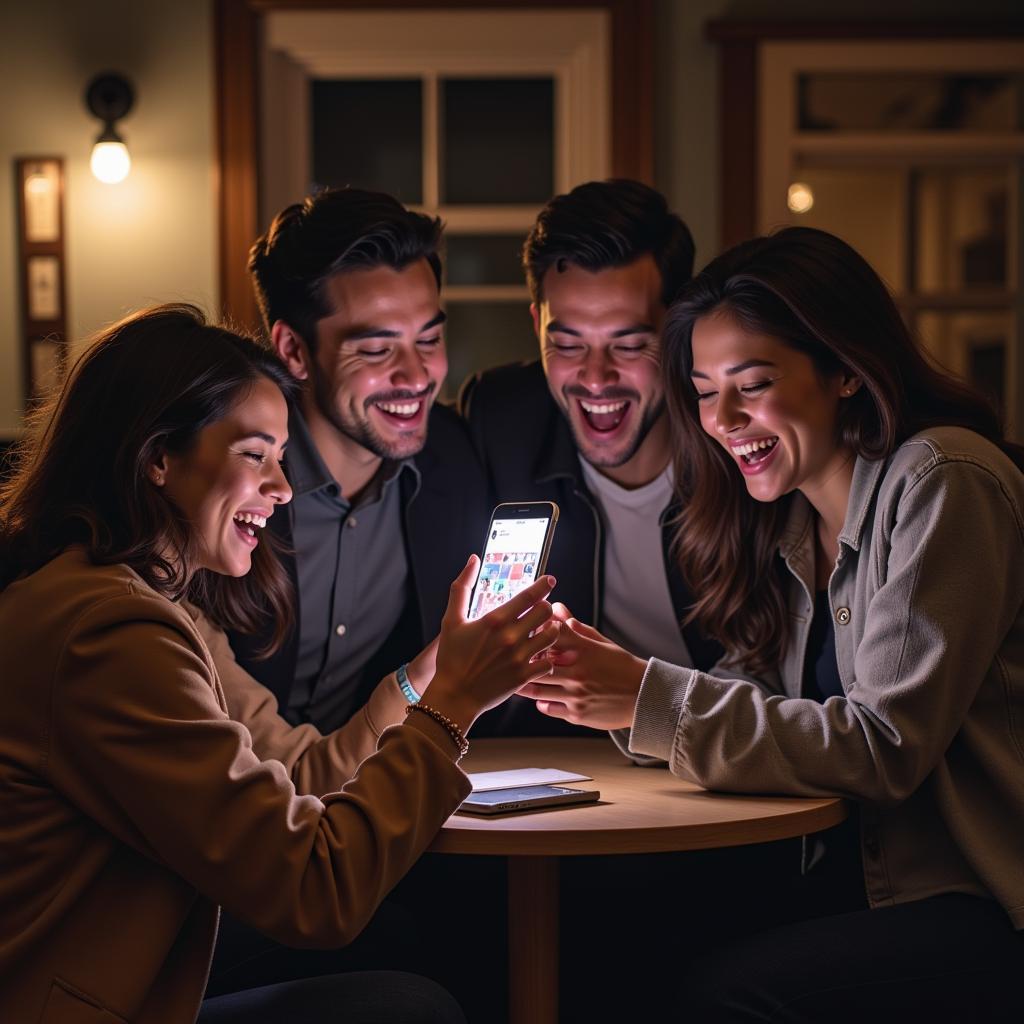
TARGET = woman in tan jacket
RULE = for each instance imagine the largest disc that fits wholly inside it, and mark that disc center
(133, 806)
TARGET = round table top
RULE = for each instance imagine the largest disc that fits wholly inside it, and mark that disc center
(641, 810)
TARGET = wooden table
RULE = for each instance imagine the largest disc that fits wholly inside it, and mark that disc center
(642, 810)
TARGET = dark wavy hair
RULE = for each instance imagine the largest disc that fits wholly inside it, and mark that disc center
(813, 292)
(604, 224)
(327, 233)
(146, 385)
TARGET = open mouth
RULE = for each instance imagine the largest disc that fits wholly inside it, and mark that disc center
(755, 452)
(247, 523)
(604, 417)
(401, 412)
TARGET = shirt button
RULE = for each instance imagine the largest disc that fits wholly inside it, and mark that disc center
(842, 616)
(340, 629)
(351, 522)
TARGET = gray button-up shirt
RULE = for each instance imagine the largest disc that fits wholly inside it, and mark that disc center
(353, 579)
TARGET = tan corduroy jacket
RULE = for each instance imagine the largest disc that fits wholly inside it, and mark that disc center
(132, 806)
(927, 599)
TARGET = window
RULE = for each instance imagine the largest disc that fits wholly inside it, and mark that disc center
(477, 116)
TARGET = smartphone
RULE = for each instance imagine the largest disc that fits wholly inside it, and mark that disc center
(526, 798)
(515, 552)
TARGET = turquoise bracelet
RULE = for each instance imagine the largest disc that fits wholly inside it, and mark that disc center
(405, 686)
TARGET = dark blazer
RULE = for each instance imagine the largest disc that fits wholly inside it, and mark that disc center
(529, 454)
(444, 520)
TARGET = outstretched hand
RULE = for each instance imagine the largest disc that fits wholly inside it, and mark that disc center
(592, 681)
(481, 662)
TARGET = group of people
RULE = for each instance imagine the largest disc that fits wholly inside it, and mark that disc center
(790, 560)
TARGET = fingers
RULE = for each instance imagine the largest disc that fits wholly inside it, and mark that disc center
(553, 709)
(462, 587)
(560, 612)
(582, 629)
(536, 616)
(524, 600)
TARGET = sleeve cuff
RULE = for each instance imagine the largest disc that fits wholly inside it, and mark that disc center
(660, 706)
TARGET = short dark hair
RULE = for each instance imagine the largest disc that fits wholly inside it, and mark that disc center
(146, 385)
(606, 224)
(332, 231)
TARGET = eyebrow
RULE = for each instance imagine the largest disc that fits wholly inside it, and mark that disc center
(750, 364)
(361, 333)
(259, 435)
(623, 332)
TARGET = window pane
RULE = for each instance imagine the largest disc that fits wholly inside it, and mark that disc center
(484, 259)
(497, 140)
(369, 134)
(863, 206)
(973, 345)
(962, 227)
(909, 102)
(484, 334)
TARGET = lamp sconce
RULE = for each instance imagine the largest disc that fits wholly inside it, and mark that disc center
(109, 97)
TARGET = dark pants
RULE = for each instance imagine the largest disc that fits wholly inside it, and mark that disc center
(364, 997)
(947, 958)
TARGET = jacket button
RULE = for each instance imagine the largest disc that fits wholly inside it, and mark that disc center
(842, 616)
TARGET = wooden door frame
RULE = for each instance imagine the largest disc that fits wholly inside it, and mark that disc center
(739, 45)
(236, 43)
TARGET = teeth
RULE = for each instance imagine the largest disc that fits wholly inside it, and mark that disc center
(251, 517)
(400, 408)
(749, 449)
(602, 408)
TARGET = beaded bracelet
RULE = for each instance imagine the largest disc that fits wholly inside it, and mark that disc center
(405, 685)
(458, 737)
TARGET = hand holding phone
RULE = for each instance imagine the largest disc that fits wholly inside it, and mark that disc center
(480, 663)
(516, 552)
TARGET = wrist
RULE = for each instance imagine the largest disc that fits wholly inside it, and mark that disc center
(405, 684)
(462, 711)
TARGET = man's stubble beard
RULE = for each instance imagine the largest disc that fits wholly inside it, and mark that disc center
(360, 431)
(650, 417)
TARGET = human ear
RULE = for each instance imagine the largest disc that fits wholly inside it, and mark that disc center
(849, 385)
(156, 471)
(535, 316)
(291, 349)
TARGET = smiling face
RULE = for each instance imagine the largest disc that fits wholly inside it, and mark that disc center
(228, 483)
(599, 333)
(772, 411)
(378, 364)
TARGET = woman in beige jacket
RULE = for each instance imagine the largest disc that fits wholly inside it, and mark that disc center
(852, 523)
(133, 806)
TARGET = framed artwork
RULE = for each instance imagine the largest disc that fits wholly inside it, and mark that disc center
(39, 182)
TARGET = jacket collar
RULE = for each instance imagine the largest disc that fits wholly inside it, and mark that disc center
(867, 478)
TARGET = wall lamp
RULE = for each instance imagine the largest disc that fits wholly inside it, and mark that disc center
(109, 97)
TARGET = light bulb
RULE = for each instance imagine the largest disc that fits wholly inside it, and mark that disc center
(800, 197)
(110, 162)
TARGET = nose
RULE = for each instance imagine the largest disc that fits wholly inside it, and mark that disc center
(729, 412)
(410, 371)
(598, 370)
(276, 486)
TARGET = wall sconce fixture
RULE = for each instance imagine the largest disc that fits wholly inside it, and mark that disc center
(109, 97)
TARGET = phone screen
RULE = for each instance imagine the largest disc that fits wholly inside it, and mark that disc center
(509, 564)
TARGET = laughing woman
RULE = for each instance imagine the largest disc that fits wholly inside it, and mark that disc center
(132, 805)
(853, 523)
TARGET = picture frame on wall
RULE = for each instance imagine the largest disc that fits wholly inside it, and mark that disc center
(39, 182)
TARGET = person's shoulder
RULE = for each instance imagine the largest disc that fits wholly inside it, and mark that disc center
(951, 448)
(72, 594)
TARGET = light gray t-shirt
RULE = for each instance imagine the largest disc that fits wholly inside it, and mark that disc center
(636, 605)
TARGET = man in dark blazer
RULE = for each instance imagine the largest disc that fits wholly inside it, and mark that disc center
(389, 499)
(585, 426)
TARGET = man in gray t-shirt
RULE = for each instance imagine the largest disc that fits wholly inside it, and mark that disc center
(586, 427)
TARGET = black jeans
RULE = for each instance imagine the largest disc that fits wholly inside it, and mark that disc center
(949, 958)
(364, 997)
